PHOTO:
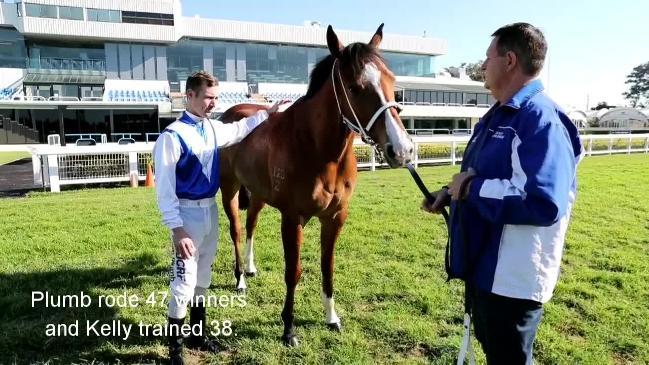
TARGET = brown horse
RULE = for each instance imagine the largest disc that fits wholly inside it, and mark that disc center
(302, 161)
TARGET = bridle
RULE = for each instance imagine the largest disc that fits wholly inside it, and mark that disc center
(358, 127)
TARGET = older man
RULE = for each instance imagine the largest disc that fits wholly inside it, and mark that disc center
(511, 202)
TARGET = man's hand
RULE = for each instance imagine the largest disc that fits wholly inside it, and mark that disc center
(275, 107)
(455, 188)
(183, 243)
(442, 199)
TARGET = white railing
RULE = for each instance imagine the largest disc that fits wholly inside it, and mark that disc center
(102, 136)
(54, 166)
(608, 144)
(117, 136)
(448, 149)
(430, 150)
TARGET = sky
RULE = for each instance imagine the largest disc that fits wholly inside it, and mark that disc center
(592, 45)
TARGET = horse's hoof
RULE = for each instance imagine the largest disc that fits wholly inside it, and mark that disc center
(336, 327)
(242, 291)
(251, 274)
(291, 340)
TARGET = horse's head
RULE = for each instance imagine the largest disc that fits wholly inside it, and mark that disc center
(364, 90)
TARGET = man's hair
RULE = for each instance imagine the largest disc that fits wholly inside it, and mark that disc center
(198, 79)
(526, 41)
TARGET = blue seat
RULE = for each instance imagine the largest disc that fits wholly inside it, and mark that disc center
(125, 141)
(86, 142)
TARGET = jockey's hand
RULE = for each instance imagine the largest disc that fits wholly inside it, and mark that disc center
(442, 199)
(183, 244)
(275, 107)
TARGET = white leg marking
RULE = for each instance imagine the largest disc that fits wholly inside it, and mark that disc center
(250, 256)
(330, 311)
(242, 282)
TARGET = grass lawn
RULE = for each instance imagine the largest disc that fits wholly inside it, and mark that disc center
(7, 157)
(390, 284)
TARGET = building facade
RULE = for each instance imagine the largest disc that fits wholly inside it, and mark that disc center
(115, 67)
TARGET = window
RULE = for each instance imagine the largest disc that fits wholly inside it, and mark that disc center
(114, 16)
(92, 91)
(483, 99)
(137, 17)
(66, 56)
(41, 11)
(70, 12)
(183, 59)
(85, 121)
(434, 96)
(65, 90)
(12, 49)
(104, 15)
(219, 57)
(410, 96)
(135, 121)
(410, 64)
(471, 98)
(420, 96)
(398, 96)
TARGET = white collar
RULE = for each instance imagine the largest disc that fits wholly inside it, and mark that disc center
(195, 118)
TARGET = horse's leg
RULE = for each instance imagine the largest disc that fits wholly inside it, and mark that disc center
(251, 222)
(330, 230)
(231, 208)
(292, 241)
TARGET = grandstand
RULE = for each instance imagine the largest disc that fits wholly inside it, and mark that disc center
(111, 71)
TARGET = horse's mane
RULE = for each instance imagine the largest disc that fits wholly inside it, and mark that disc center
(355, 55)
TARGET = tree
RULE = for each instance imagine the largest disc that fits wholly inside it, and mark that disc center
(638, 93)
(453, 71)
(473, 70)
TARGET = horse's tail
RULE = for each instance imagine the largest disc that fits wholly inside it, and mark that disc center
(244, 198)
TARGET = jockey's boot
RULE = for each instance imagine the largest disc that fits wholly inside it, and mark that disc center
(176, 341)
(200, 341)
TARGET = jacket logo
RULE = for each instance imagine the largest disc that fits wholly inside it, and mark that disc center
(498, 135)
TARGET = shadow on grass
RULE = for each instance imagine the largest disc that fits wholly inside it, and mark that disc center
(23, 338)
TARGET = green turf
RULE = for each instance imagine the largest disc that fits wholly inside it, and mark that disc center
(390, 285)
(7, 157)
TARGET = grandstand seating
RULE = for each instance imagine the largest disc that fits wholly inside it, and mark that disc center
(276, 96)
(234, 97)
(141, 96)
(7, 93)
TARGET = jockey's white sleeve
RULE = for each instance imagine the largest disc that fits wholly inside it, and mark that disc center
(228, 134)
(166, 154)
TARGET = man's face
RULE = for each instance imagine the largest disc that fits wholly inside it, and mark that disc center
(494, 67)
(203, 101)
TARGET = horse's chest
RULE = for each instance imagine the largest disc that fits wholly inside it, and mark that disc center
(329, 195)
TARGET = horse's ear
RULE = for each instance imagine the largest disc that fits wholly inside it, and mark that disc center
(377, 37)
(335, 47)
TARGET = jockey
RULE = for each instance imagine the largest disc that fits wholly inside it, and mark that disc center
(187, 179)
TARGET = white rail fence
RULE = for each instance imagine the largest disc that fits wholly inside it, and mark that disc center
(54, 166)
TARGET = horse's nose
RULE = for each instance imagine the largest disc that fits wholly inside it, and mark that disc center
(390, 151)
(409, 157)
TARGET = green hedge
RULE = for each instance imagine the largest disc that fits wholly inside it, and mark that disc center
(618, 143)
(425, 151)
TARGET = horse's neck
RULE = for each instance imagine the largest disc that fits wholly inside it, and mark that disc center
(330, 137)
